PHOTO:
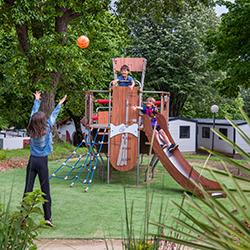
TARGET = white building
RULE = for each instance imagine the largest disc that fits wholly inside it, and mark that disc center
(184, 133)
(190, 134)
(66, 129)
(205, 135)
(13, 139)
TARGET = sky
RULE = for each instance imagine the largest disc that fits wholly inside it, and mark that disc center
(220, 10)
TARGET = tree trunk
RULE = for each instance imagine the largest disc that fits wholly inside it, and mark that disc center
(48, 101)
(22, 35)
(76, 119)
(48, 98)
(177, 102)
(22, 31)
(79, 136)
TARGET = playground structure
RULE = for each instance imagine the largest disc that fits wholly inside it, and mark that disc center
(123, 135)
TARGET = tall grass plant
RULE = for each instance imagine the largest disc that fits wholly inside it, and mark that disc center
(216, 223)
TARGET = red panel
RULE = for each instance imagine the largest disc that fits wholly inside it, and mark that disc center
(102, 101)
(134, 64)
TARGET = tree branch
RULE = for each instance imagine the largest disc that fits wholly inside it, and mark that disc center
(9, 2)
(74, 16)
(37, 29)
(22, 34)
(61, 24)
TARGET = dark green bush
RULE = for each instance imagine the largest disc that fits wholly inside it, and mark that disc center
(18, 229)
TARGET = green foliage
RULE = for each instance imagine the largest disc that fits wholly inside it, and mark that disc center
(231, 43)
(15, 101)
(206, 96)
(60, 150)
(2, 155)
(38, 51)
(175, 52)
(3, 123)
(245, 93)
(18, 229)
(156, 9)
(91, 68)
(221, 224)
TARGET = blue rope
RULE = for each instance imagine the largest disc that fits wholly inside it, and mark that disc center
(53, 175)
(92, 169)
(90, 145)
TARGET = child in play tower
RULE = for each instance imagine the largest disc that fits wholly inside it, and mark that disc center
(124, 80)
(151, 110)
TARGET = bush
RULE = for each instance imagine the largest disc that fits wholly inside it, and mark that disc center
(3, 155)
(18, 229)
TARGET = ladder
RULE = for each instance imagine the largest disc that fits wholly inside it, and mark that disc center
(91, 161)
(76, 164)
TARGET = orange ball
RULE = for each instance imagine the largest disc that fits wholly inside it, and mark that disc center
(83, 42)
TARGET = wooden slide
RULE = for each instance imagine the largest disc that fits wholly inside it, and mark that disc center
(176, 164)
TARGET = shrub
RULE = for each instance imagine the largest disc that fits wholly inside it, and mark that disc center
(2, 155)
(18, 229)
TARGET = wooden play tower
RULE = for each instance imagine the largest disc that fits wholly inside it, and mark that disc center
(124, 144)
(129, 133)
(114, 128)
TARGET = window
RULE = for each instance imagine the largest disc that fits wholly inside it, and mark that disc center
(184, 131)
(206, 132)
(223, 131)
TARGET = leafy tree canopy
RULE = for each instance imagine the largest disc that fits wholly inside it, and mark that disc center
(175, 52)
(38, 51)
(231, 45)
(134, 9)
(198, 105)
(245, 93)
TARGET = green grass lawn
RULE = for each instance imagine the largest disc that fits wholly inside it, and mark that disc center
(60, 150)
(100, 212)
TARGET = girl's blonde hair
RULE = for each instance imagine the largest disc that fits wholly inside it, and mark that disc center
(151, 99)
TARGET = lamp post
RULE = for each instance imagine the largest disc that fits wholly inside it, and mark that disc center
(214, 110)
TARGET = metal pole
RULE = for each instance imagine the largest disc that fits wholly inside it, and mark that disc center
(109, 121)
(139, 141)
(213, 132)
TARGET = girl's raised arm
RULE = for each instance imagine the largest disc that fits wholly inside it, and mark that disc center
(54, 114)
(37, 102)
